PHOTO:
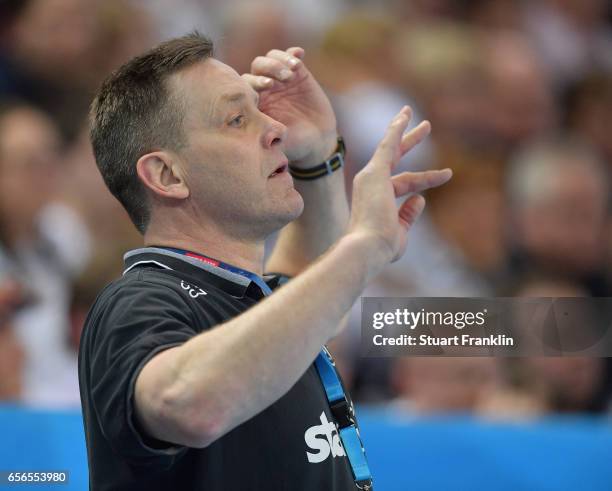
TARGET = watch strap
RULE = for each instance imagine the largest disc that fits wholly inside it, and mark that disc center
(332, 164)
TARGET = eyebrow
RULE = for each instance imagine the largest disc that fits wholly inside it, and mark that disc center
(219, 105)
(237, 96)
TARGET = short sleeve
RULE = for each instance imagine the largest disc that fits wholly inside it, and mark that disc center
(137, 322)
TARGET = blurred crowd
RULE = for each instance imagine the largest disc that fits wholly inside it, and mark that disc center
(519, 94)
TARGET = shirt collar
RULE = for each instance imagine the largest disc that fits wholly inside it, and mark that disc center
(233, 283)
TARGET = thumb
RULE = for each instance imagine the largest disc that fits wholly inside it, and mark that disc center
(411, 210)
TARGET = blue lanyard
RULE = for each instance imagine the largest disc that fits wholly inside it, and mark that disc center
(341, 407)
(344, 414)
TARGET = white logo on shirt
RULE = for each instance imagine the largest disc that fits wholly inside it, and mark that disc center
(193, 292)
(324, 439)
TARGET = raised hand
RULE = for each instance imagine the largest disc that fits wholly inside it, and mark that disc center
(290, 94)
(374, 211)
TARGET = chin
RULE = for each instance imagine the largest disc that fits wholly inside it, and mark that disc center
(297, 203)
(291, 208)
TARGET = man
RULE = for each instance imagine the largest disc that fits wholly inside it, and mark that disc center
(192, 375)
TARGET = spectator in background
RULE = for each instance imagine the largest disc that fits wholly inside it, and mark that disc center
(519, 104)
(589, 112)
(508, 388)
(469, 216)
(535, 386)
(55, 53)
(566, 384)
(370, 84)
(11, 351)
(43, 244)
(47, 40)
(572, 37)
(484, 91)
(430, 385)
(558, 194)
(11, 365)
(111, 229)
(442, 63)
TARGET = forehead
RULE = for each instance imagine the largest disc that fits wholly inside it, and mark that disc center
(203, 84)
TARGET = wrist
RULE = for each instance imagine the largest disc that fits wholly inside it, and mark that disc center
(368, 249)
(324, 149)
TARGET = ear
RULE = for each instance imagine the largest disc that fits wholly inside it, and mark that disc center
(160, 172)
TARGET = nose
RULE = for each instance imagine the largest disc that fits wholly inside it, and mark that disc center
(275, 133)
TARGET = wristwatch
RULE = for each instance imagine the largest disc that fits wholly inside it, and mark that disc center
(332, 164)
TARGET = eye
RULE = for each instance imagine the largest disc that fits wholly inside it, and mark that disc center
(236, 121)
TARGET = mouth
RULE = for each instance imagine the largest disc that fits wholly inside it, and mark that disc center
(281, 169)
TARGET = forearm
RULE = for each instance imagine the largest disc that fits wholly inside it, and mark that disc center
(225, 376)
(324, 220)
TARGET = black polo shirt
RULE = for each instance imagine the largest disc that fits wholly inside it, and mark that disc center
(164, 299)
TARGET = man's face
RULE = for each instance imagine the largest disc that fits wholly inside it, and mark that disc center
(566, 227)
(29, 153)
(233, 154)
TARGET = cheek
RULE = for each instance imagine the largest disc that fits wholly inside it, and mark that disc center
(224, 177)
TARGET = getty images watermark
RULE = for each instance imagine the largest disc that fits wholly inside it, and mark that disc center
(486, 327)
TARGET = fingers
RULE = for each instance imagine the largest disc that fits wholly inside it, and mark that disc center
(411, 210)
(277, 64)
(269, 67)
(292, 57)
(258, 82)
(297, 52)
(416, 182)
(414, 136)
(388, 151)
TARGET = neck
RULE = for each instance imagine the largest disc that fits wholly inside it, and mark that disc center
(245, 255)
